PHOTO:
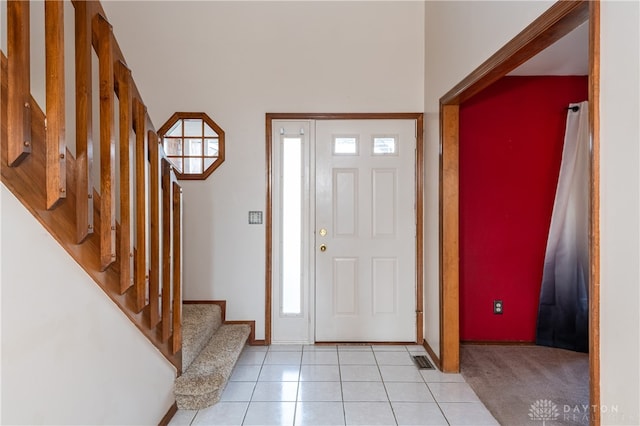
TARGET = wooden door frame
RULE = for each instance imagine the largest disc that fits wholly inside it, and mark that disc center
(555, 23)
(419, 198)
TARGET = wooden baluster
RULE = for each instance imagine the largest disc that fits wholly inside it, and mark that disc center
(176, 341)
(154, 217)
(166, 250)
(19, 76)
(139, 117)
(84, 130)
(102, 40)
(123, 78)
(56, 176)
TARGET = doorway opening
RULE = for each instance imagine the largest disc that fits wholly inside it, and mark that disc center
(353, 184)
(558, 21)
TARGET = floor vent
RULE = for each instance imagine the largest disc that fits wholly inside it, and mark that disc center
(423, 362)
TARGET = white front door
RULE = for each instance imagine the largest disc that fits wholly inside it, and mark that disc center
(365, 283)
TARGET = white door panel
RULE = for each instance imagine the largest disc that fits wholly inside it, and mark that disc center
(365, 191)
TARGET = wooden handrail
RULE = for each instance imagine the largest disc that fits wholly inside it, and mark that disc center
(135, 252)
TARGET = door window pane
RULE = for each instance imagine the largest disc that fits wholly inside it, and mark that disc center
(345, 145)
(384, 145)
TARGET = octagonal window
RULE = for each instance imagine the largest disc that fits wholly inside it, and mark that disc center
(193, 143)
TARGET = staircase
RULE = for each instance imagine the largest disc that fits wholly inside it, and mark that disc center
(210, 349)
(126, 231)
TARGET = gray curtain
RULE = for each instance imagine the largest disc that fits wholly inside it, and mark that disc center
(563, 314)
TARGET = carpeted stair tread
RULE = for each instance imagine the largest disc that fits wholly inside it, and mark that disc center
(199, 323)
(202, 383)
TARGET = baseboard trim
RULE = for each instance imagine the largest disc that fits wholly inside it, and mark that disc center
(169, 415)
(498, 342)
(432, 354)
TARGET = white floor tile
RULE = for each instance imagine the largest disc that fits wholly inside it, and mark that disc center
(438, 376)
(275, 391)
(354, 348)
(286, 358)
(279, 373)
(319, 348)
(285, 348)
(418, 413)
(400, 373)
(338, 385)
(368, 413)
(453, 392)
(388, 348)
(270, 413)
(319, 373)
(223, 413)
(364, 392)
(319, 414)
(357, 358)
(238, 391)
(468, 413)
(245, 373)
(319, 391)
(183, 417)
(360, 373)
(320, 357)
(394, 358)
(248, 348)
(408, 392)
(251, 358)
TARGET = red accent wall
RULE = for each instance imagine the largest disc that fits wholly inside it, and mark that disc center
(511, 138)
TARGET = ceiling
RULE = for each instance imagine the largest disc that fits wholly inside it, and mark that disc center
(567, 56)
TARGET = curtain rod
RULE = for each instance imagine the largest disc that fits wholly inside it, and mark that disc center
(574, 108)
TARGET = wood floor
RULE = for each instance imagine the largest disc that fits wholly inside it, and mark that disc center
(519, 384)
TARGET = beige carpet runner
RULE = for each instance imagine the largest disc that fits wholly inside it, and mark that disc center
(210, 350)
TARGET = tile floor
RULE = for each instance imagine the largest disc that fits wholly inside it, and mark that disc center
(339, 385)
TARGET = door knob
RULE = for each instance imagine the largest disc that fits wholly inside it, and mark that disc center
(323, 247)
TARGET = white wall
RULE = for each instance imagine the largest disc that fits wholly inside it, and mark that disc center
(460, 35)
(620, 211)
(469, 41)
(239, 60)
(69, 355)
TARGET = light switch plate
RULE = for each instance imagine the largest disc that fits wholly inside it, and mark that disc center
(255, 218)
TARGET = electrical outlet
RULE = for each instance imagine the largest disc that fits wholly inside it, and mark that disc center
(497, 307)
